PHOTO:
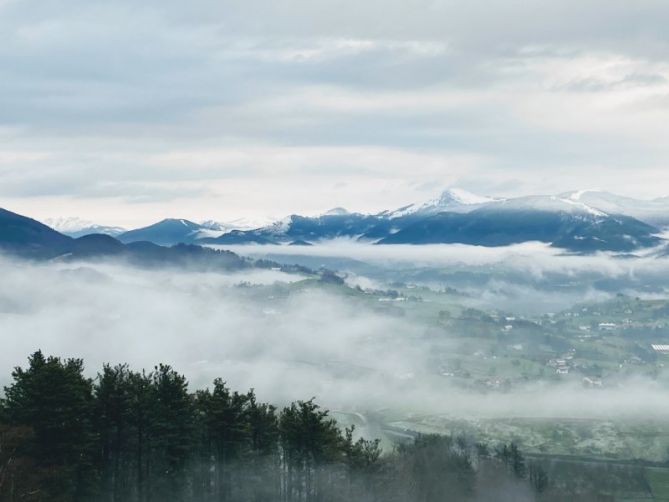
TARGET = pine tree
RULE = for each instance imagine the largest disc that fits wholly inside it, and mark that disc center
(142, 406)
(112, 420)
(54, 399)
(171, 432)
(227, 433)
(310, 439)
(517, 461)
(538, 478)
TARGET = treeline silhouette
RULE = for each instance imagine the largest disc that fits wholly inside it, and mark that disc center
(136, 436)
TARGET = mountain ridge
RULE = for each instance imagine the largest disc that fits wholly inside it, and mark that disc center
(578, 221)
(456, 216)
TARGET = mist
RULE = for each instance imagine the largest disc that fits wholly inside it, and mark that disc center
(528, 278)
(305, 342)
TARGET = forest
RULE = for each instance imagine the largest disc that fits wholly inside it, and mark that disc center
(142, 436)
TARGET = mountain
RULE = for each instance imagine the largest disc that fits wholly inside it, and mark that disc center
(166, 232)
(30, 238)
(654, 212)
(340, 223)
(451, 200)
(97, 245)
(461, 217)
(76, 227)
(545, 203)
(583, 221)
(573, 230)
(305, 229)
(173, 231)
(564, 222)
(24, 237)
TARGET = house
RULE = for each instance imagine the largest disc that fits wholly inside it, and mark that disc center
(592, 382)
(661, 348)
(607, 326)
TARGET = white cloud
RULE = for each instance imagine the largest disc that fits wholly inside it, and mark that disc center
(312, 343)
(91, 91)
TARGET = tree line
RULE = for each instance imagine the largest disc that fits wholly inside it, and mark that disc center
(137, 436)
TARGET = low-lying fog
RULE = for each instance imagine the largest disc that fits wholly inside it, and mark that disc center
(529, 278)
(308, 343)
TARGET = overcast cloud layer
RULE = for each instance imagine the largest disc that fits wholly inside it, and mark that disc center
(126, 112)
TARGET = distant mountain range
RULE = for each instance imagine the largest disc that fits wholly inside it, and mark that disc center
(76, 227)
(583, 221)
(24, 237)
(654, 212)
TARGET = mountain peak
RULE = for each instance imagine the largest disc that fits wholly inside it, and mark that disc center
(78, 227)
(549, 203)
(463, 197)
(578, 195)
(178, 221)
(68, 224)
(455, 199)
(166, 232)
(336, 211)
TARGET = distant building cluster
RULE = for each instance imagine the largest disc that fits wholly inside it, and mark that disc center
(563, 364)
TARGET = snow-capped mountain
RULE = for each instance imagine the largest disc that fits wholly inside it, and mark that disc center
(171, 231)
(336, 211)
(654, 212)
(243, 223)
(457, 216)
(23, 237)
(305, 229)
(583, 221)
(454, 199)
(77, 227)
(546, 203)
(29, 238)
(572, 228)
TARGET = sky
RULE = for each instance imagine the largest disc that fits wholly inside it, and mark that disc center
(125, 112)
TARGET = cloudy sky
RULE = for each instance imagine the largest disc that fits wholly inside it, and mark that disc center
(124, 112)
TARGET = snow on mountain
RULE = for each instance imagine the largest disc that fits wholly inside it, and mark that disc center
(591, 202)
(213, 228)
(65, 224)
(549, 203)
(462, 197)
(583, 220)
(453, 200)
(336, 211)
(78, 227)
(281, 226)
(655, 211)
(243, 223)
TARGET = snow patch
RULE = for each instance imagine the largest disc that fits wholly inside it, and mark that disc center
(337, 211)
(576, 196)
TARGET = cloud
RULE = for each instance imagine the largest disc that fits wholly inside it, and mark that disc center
(524, 90)
(308, 343)
(529, 278)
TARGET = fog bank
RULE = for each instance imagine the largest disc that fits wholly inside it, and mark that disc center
(301, 343)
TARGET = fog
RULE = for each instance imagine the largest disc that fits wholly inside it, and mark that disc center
(528, 278)
(309, 343)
